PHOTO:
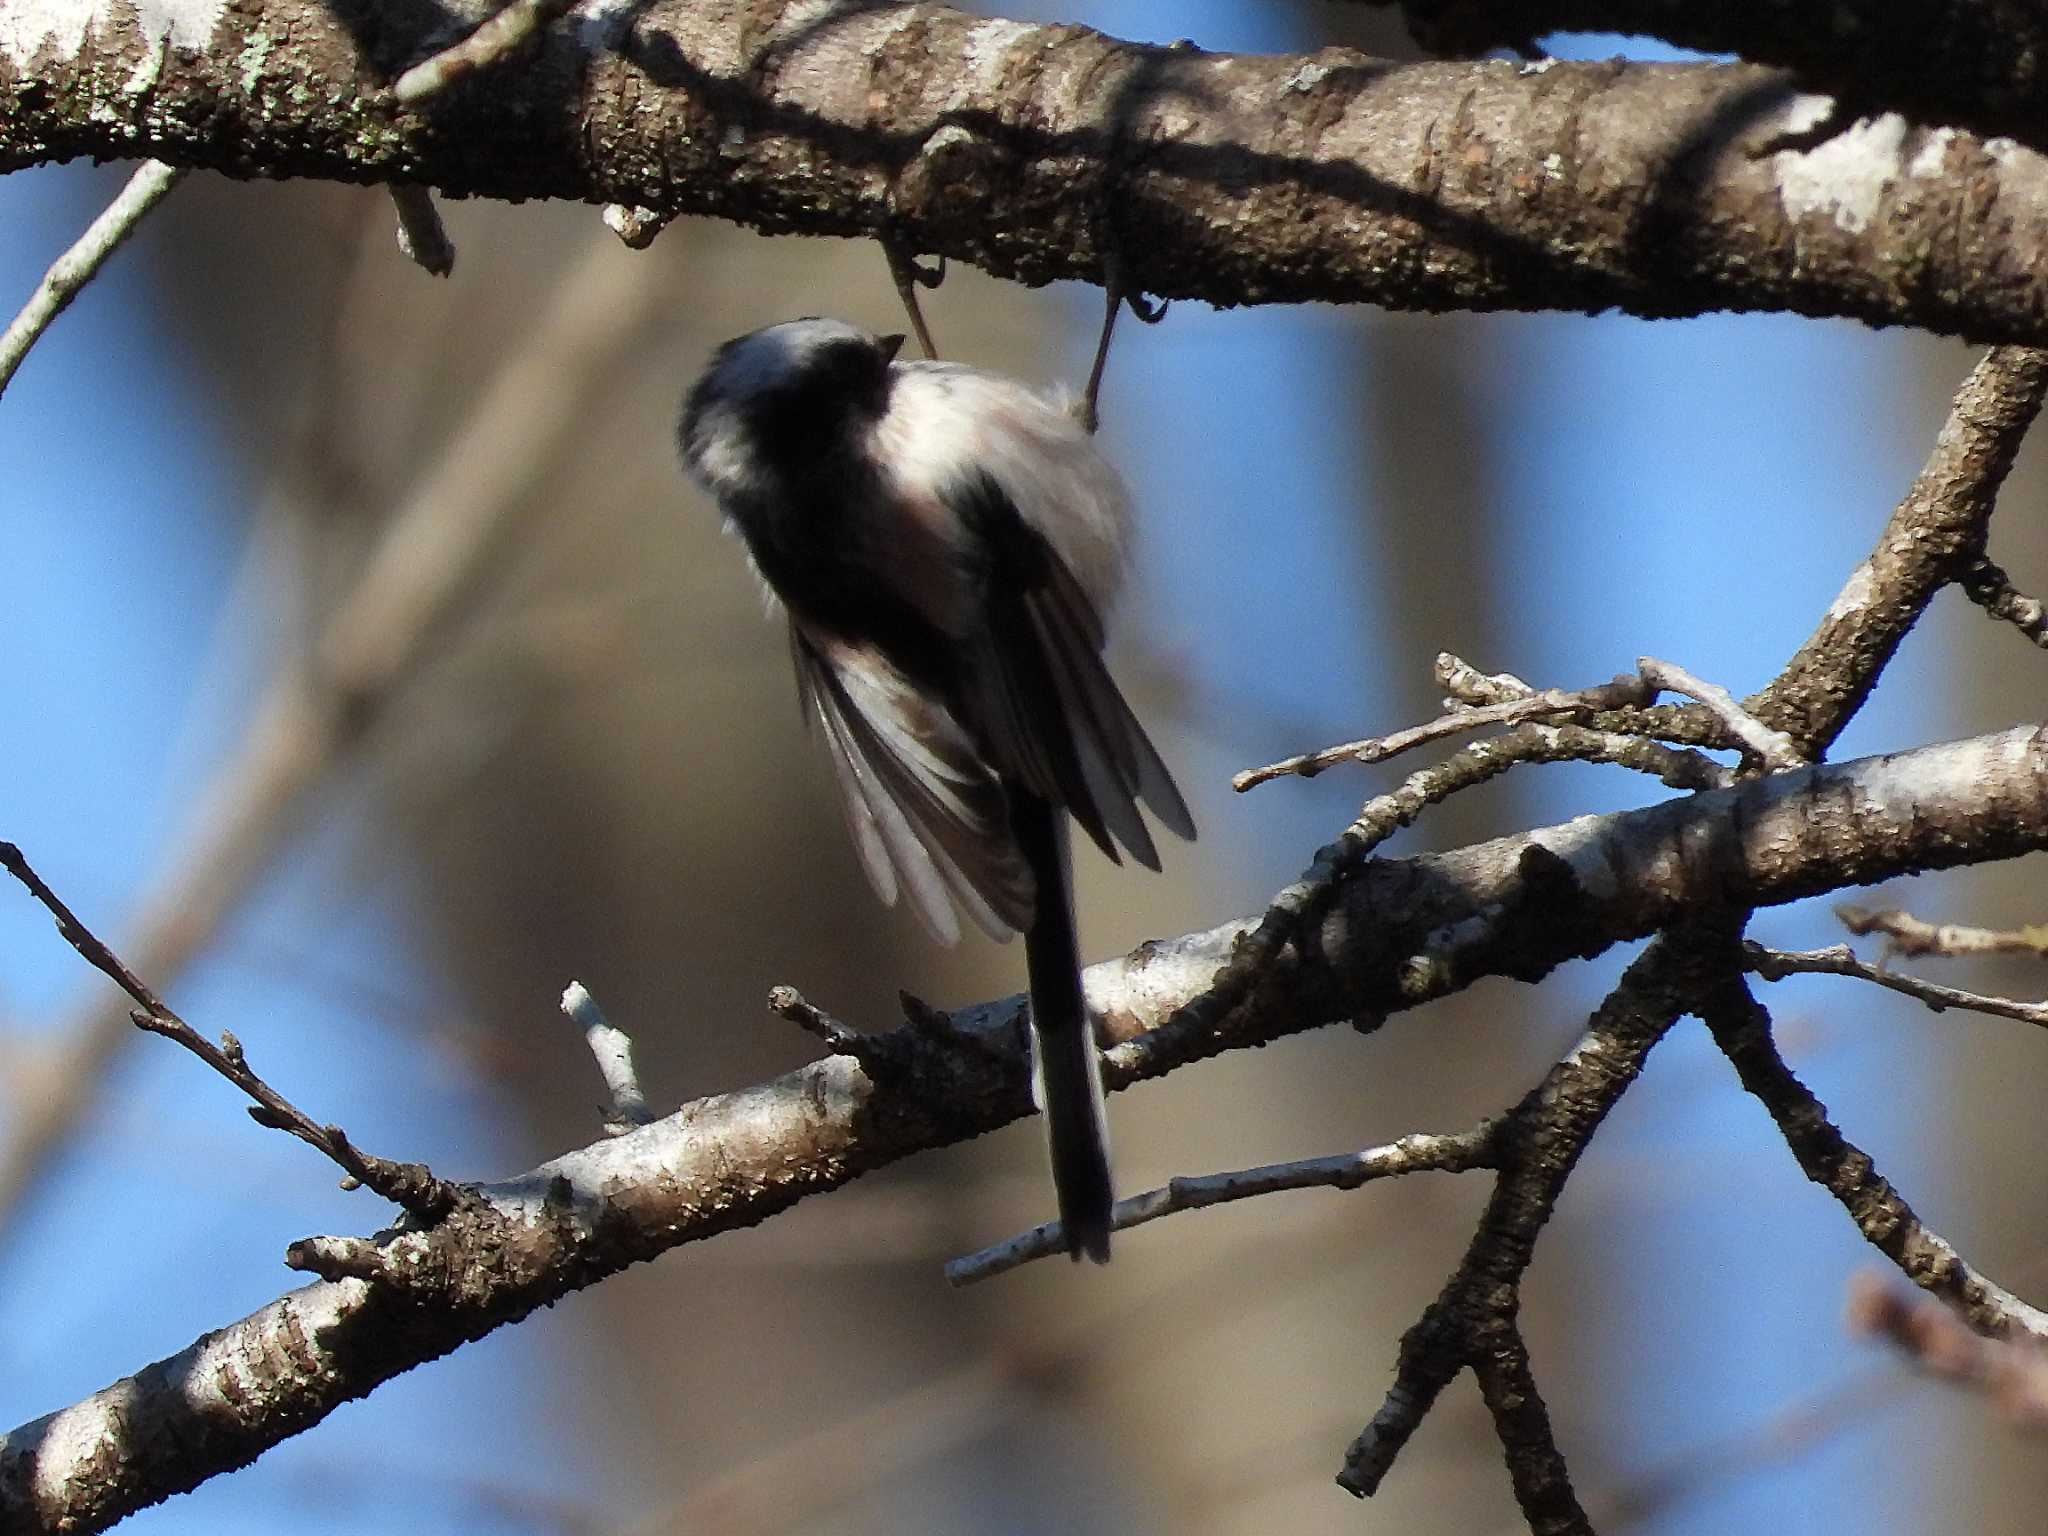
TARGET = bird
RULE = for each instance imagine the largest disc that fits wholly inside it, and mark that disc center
(945, 543)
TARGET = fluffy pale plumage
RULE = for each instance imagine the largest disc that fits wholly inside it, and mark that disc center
(945, 542)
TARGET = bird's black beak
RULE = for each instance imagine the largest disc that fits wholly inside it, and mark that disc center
(890, 346)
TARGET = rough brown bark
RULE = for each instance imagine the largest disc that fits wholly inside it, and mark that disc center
(1037, 151)
(1976, 64)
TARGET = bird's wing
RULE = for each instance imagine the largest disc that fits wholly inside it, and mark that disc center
(924, 807)
(1041, 699)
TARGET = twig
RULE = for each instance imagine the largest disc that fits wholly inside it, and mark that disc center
(1468, 685)
(840, 1039)
(1906, 934)
(1840, 960)
(70, 272)
(636, 227)
(1742, 1028)
(909, 277)
(1992, 590)
(422, 237)
(489, 44)
(1774, 749)
(1418, 1153)
(2013, 1373)
(1622, 692)
(437, 539)
(612, 1049)
(406, 1184)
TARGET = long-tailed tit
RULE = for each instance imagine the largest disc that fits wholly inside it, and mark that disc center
(945, 542)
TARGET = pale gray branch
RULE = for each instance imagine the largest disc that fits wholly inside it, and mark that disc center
(69, 274)
(1421, 1152)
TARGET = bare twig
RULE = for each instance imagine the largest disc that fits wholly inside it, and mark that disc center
(612, 1049)
(1992, 590)
(1742, 1028)
(491, 43)
(2013, 1373)
(69, 274)
(1466, 684)
(437, 539)
(1418, 1153)
(840, 1039)
(422, 237)
(1623, 692)
(636, 227)
(1773, 748)
(1905, 934)
(406, 1184)
(1840, 960)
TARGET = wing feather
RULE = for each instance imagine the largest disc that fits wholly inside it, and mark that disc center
(924, 809)
(1039, 695)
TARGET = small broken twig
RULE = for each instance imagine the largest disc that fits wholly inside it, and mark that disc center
(612, 1049)
(636, 227)
(840, 1039)
(422, 237)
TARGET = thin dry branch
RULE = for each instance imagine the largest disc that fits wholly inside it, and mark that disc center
(1421, 1152)
(1231, 178)
(69, 274)
(1550, 704)
(503, 35)
(1840, 960)
(1742, 1028)
(409, 1185)
(1905, 934)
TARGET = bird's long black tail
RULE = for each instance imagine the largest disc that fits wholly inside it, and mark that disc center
(1069, 1078)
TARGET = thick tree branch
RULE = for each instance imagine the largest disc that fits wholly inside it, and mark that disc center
(1044, 152)
(1977, 64)
(1516, 906)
